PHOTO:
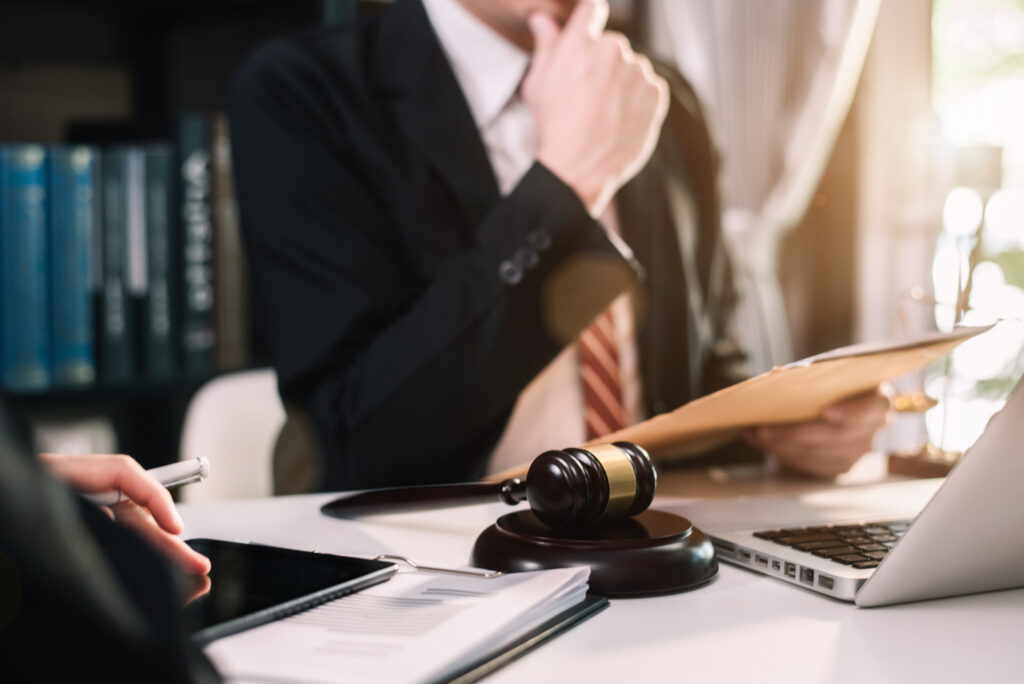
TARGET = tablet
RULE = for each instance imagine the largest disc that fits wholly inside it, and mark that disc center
(251, 584)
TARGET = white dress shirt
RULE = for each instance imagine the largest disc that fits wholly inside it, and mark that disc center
(549, 411)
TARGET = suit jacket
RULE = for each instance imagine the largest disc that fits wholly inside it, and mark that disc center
(407, 302)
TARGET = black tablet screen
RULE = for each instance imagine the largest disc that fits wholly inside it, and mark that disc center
(247, 578)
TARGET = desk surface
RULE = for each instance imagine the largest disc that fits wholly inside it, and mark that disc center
(740, 627)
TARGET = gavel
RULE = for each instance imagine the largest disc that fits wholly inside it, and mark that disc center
(574, 488)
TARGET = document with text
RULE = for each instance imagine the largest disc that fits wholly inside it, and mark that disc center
(416, 627)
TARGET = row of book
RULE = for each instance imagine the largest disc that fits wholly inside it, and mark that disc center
(121, 264)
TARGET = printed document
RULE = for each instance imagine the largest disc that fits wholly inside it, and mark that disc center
(416, 627)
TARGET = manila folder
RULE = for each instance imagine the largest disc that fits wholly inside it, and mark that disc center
(787, 394)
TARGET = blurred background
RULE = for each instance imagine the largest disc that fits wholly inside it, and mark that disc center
(872, 178)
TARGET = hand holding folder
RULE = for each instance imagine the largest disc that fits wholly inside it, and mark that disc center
(794, 393)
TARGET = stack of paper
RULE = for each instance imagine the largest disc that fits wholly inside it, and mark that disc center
(415, 627)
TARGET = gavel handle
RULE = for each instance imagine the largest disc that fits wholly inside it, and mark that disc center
(404, 499)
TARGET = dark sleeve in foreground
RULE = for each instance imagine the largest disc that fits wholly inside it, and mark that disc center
(81, 599)
(409, 374)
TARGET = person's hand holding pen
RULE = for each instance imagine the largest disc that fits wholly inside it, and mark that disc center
(145, 505)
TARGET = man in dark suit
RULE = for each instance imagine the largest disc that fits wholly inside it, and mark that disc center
(417, 283)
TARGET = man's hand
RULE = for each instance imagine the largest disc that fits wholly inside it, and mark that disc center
(830, 445)
(597, 105)
(149, 509)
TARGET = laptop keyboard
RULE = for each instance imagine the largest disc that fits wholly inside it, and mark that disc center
(862, 546)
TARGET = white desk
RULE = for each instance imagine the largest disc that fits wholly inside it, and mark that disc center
(741, 627)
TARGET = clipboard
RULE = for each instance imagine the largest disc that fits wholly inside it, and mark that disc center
(797, 392)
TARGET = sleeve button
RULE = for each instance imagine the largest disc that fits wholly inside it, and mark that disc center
(539, 239)
(525, 258)
(510, 272)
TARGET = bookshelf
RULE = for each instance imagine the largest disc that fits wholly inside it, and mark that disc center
(117, 72)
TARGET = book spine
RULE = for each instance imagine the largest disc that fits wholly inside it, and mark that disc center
(116, 346)
(230, 273)
(198, 323)
(136, 258)
(159, 330)
(97, 270)
(24, 309)
(72, 222)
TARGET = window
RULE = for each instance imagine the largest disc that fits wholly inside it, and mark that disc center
(978, 266)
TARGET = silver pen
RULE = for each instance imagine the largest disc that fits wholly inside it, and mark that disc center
(173, 475)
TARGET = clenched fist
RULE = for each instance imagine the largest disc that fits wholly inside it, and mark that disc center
(598, 106)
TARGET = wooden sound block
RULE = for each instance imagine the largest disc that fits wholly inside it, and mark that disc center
(653, 553)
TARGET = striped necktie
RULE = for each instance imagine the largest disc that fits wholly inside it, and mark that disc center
(603, 410)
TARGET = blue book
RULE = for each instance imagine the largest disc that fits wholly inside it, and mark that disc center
(74, 204)
(24, 284)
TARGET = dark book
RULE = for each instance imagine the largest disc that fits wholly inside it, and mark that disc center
(24, 278)
(136, 252)
(230, 275)
(96, 265)
(198, 331)
(159, 332)
(115, 338)
(73, 218)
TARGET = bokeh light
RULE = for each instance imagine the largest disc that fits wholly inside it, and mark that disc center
(986, 281)
(961, 215)
(991, 355)
(972, 415)
(1004, 220)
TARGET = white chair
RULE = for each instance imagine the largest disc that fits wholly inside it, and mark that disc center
(233, 421)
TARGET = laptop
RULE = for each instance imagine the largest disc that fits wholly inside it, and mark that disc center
(889, 543)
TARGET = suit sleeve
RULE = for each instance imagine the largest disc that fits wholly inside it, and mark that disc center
(407, 380)
(82, 598)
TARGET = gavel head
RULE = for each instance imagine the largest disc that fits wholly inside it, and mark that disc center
(580, 487)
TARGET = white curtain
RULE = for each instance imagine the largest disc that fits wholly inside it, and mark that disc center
(776, 79)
